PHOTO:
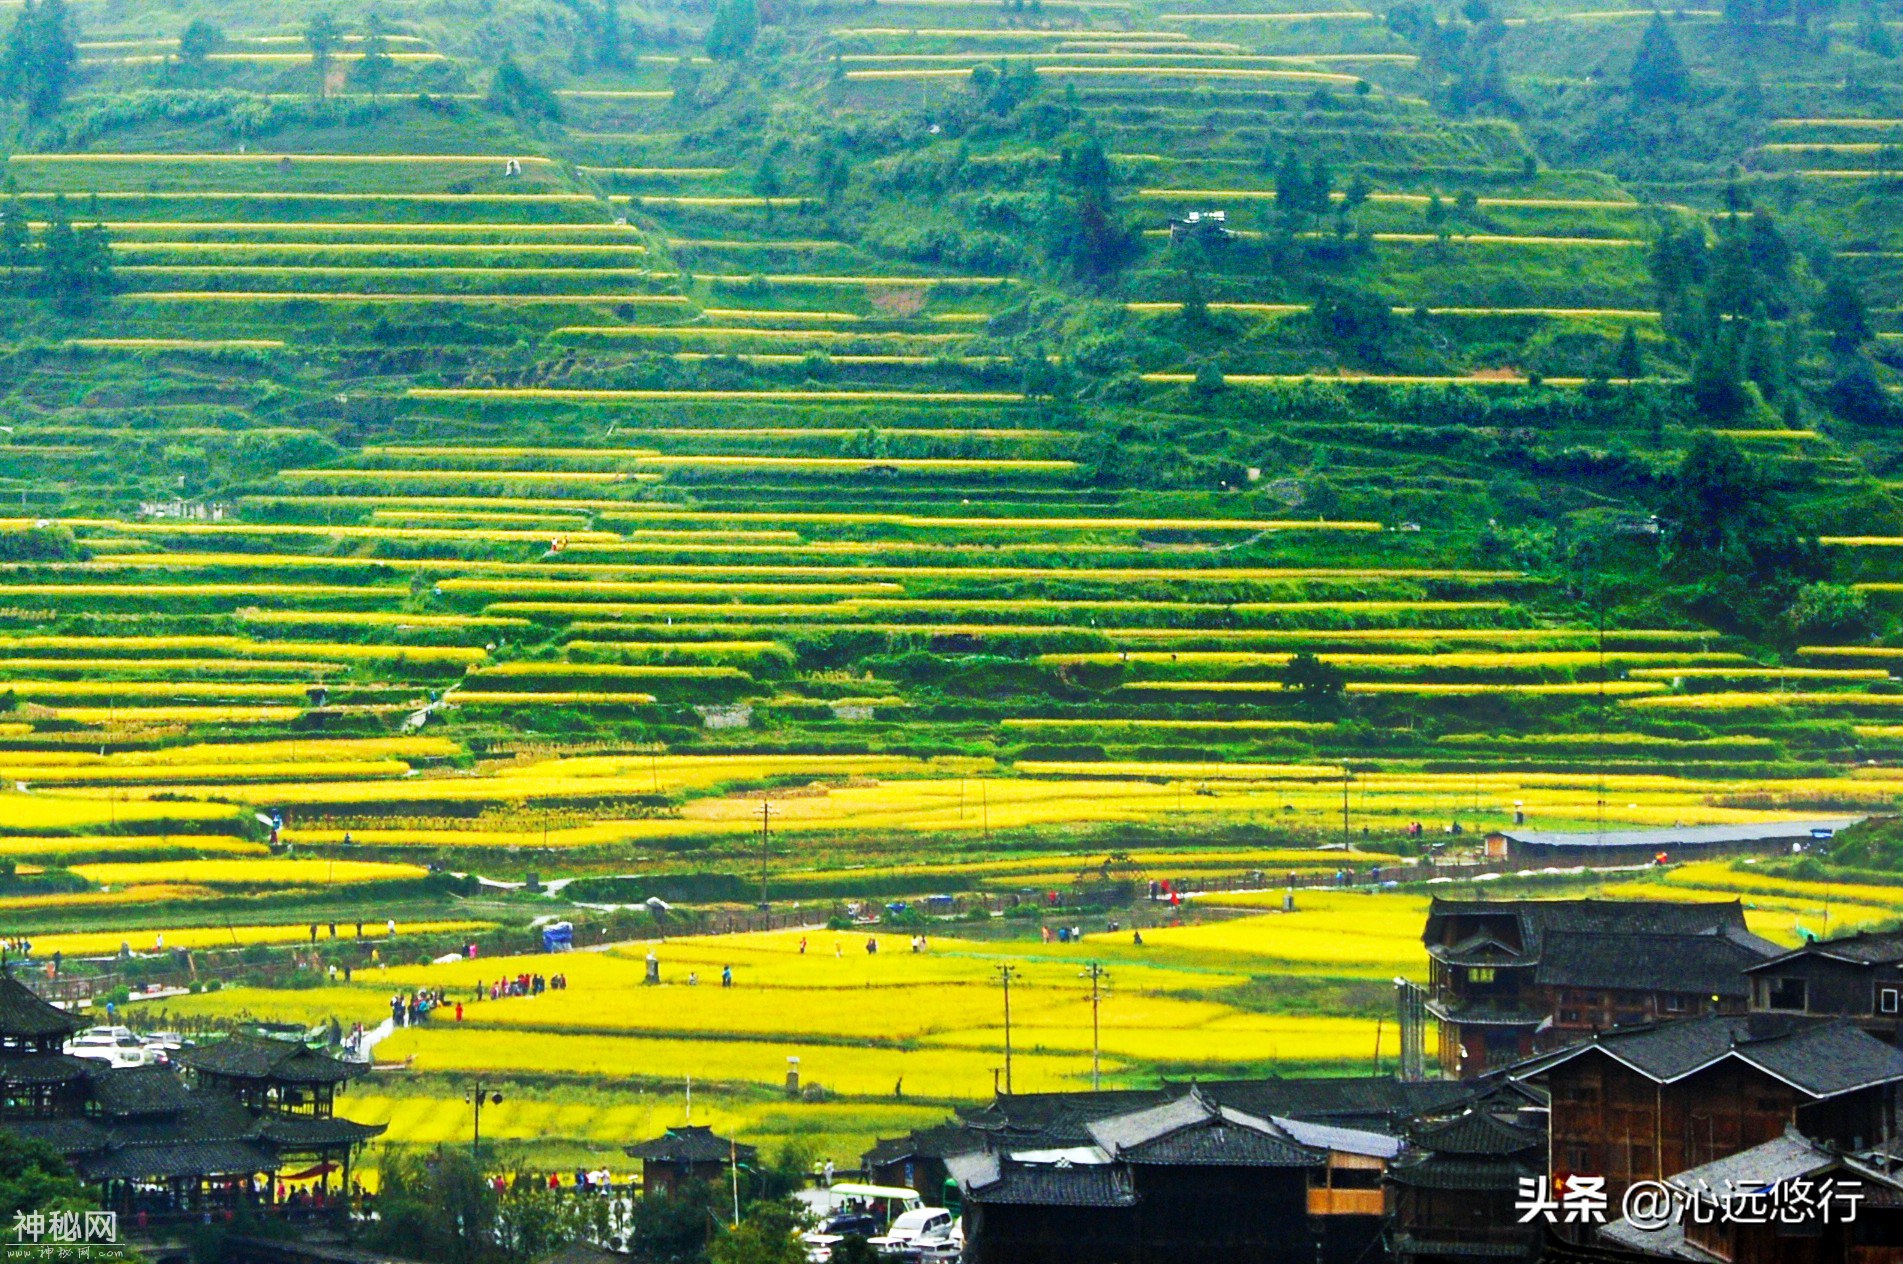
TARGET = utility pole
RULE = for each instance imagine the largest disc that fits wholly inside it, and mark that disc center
(475, 1098)
(1096, 974)
(765, 806)
(1005, 974)
(1346, 838)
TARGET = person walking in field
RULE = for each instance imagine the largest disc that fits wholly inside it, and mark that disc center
(802, 945)
(459, 1011)
(390, 926)
(726, 976)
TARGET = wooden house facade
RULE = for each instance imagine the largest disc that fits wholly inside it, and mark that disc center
(1651, 1102)
(1514, 978)
(1859, 977)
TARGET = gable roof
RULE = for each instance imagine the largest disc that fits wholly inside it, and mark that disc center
(936, 1142)
(1650, 945)
(1865, 948)
(1193, 1131)
(1337, 1140)
(1376, 1102)
(691, 1143)
(1713, 964)
(1680, 835)
(1764, 1166)
(1054, 1120)
(1821, 1059)
(993, 1179)
(24, 1016)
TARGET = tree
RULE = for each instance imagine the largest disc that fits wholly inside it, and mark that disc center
(756, 1243)
(16, 240)
(1436, 216)
(197, 42)
(322, 35)
(373, 69)
(39, 59)
(766, 178)
(75, 265)
(33, 1178)
(441, 1205)
(1729, 538)
(513, 91)
(735, 26)
(1658, 70)
(1319, 686)
(1841, 313)
(1629, 362)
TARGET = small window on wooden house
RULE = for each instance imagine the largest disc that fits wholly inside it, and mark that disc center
(1480, 974)
(1886, 1000)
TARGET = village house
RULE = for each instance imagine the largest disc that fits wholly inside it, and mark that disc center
(1859, 977)
(1650, 1102)
(1512, 978)
(1679, 842)
(1181, 1178)
(1842, 1209)
(688, 1154)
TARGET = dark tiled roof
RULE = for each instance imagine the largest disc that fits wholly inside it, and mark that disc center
(24, 1016)
(1194, 1132)
(1820, 1058)
(1437, 1171)
(208, 1116)
(693, 1143)
(147, 1090)
(1476, 1132)
(191, 1158)
(1708, 964)
(68, 1136)
(1055, 1120)
(283, 1061)
(1537, 918)
(923, 1143)
(294, 1132)
(1050, 1185)
(1871, 948)
(1354, 1101)
(43, 1068)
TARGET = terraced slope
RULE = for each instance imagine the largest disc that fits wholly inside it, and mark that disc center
(863, 422)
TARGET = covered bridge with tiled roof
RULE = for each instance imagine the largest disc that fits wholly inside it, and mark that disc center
(154, 1141)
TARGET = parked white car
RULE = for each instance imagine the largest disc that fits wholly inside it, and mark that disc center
(101, 1044)
(912, 1229)
(945, 1246)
